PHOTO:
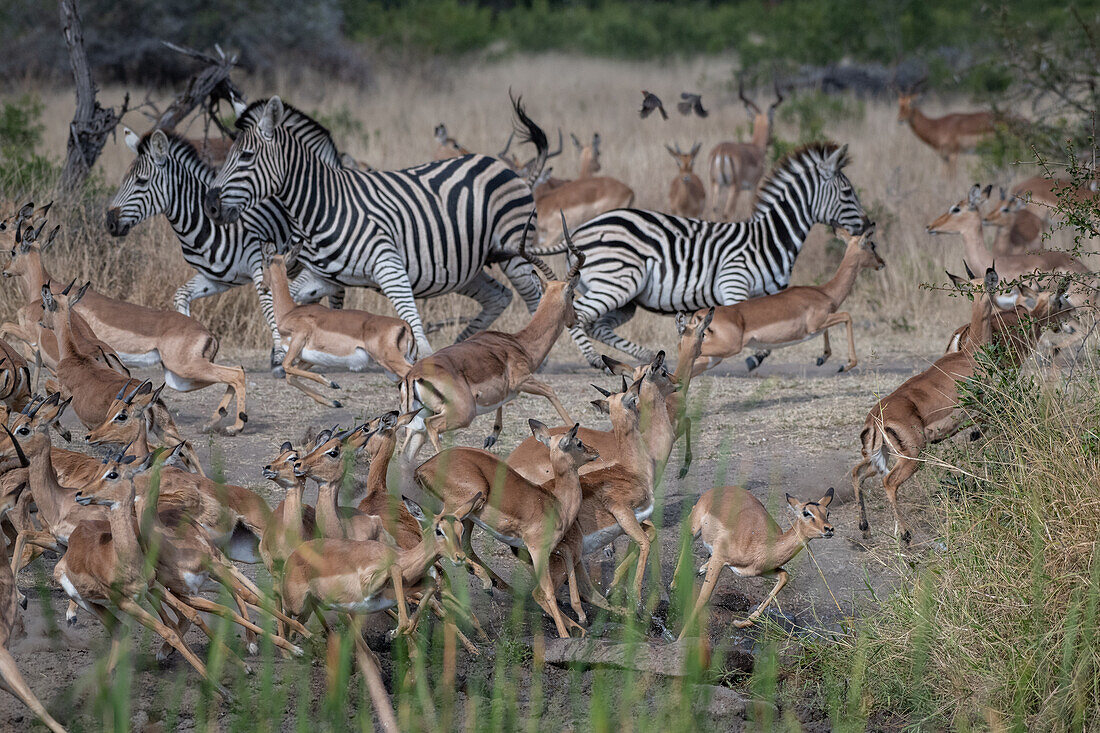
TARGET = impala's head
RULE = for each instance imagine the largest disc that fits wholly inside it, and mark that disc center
(692, 330)
(553, 289)
(11, 450)
(812, 517)
(281, 470)
(25, 256)
(440, 134)
(255, 167)
(56, 308)
(964, 214)
(275, 263)
(381, 433)
(761, 120)
(862, 247)
(114, 486)
(685, 161)
(39, 414)
(153, 179)
(331, 458)
(1004, 213)
(656, 382)
(127, 413)
(590, 154)
(906, 105)
(567, 447)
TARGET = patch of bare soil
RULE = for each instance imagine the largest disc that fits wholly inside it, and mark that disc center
(788, 427)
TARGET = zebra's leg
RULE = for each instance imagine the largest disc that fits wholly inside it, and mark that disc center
(336, 298)
(393, 278)
(309, 287)
(278, 351)
(603, 331)
(200, 286)
(521, 274)
(491, 295)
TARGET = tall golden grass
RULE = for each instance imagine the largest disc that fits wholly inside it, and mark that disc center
(901, 182)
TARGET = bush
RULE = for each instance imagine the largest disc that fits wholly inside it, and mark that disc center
(22, 169)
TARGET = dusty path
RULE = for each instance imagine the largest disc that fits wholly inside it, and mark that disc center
(789, 427)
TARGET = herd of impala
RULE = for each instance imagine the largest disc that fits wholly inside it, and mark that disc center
(145, 529)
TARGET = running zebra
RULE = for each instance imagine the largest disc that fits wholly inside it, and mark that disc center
(416, 232)
(668, 264)
(168, 177)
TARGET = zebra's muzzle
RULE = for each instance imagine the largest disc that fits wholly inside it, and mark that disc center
(115, 227)
(220, 212)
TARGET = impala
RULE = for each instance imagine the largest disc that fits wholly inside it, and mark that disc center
(1018, 229)
(686, 195)
(446, 146)
(736, 167)
(949, 135)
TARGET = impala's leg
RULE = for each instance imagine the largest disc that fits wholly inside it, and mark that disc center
(626, 519)
(903, 469)
(154, 624)
(114, 627)
(392, 276)
(247, 590)
(521, 274)
(202, 604)
(732, 195)
(715, 193)
(859, 473)
(714, 570)
(197, 287)
(632, 554)
(544, 593)
(563, 570)
(827, 349)
(836, 319)
(476, 565)
(295, 374)
(757, 359)
(368, 665)
(782, 581)
(498, 425)
(603, 330)
(490, 295)
(688, 457)
(531, 385)
(38, 540)
(189, 615)
(267, 307)
(15, 684)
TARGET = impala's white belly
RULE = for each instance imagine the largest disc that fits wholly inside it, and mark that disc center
(195, 582)
(147, 359)
(370, 604)
(506, 539)
(71, 592)
(356, 361)
(181, 384)
(485, 409)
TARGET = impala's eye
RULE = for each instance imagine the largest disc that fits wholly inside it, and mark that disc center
(806, 513)
(955, 209)
(23, 430)
(121, 417)
(112, 475)
(333, 453)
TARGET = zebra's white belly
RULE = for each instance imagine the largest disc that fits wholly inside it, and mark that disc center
(356, 361)
(73, 594)
(506, 539)
(147, 359)
(606, 535)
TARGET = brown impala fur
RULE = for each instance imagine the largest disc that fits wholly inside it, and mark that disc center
(120, 426)
(790, 316)
(949, 135)
(398, 520)
(1042, 194)
(147, 336)
(15, 381)
(316, 335)
(923, 410)
(736, 167)
(460, 381)
(293, 521)
(327, 464)
(579, 201)
(686, 194)
(28, 327)
(1018, 230)
(739, 533)
(186, 560)
(589, 154)
(446, 146)
(514, 510)
(965, 218)
(105, 567)
(11, 626)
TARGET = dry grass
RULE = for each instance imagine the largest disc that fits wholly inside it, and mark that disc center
(901, 182)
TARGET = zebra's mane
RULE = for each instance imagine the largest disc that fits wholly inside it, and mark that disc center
(312, 133)
(179, 148)
(806, 156)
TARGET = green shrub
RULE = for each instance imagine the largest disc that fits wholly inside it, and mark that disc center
(22, 169)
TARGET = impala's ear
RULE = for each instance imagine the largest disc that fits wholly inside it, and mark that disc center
(388, 421)
(828, 498)
(405, 419)
(47, 299)
(1016, 204)
(958, 281)
(681, 322)
(285, 447)
(617, 367)
(974, 196)
(80, 293)
(601, 406)
(156, 394)
(596, 141)
(540, 431)
(144, 388)
(158, 146)
(272, 117)
(576, 142)
(131, 138)
(49, 240)
(794, 504)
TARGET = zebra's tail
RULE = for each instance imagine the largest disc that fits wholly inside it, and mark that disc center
(529, 132)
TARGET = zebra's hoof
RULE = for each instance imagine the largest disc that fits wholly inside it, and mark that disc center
(752, 362)
(278, 372)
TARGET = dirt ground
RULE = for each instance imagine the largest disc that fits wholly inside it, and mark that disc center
(788, 427)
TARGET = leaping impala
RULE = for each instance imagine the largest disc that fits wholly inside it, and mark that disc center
(457, 383)
(739, 533)
(790, 316)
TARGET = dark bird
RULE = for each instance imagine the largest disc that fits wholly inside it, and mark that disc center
(651, 103)
(691, 103)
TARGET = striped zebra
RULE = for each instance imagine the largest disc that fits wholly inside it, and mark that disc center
(416, 232)
(169, 177)
(669, 264)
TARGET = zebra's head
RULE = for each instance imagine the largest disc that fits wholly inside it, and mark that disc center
(141, 193)
(837, 203)
(254, 168)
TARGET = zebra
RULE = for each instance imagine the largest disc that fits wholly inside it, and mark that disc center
(670, 264)
(168, 176)
(416, 232)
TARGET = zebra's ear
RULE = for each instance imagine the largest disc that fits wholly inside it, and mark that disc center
(271, 118)
(131, 138)
(832, 164)
(158, 145)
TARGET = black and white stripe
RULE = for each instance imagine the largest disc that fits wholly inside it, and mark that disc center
(416, 232)
(668, 264)
(168, 177)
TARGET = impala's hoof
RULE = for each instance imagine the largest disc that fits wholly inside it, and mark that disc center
(222, 411)
(821, 360)
(253, 648)
(243, 416)
(683, 471)
(337, 404)
(333, 384)
(490, 442)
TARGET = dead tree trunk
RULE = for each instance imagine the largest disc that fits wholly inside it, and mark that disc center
(91, 123)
